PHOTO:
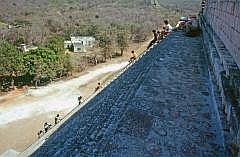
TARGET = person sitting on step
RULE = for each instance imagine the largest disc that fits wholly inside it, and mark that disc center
(133, 56)
(98, 86)
(155, 36)
(57, 119)
(168, 27)
(47, 127)
(40, 133)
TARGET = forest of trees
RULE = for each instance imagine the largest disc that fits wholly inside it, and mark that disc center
(32, 22)
(34, 67)
(49, 61)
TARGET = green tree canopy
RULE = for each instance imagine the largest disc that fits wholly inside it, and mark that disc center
(11, 60)
(42, 63)
(56, 44)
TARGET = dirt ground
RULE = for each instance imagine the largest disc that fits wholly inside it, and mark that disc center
(20, 134)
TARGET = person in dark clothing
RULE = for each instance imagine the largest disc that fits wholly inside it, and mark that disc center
(160, 36)
(80, 100)
(155, 37)
(40, 133)
(98, 86)
(46, 127)
(57, 119)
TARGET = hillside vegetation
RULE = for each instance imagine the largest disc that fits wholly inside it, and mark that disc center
(35, 20)
(47, 23)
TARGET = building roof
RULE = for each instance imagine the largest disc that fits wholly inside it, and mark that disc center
(67, 42)
(81, 38)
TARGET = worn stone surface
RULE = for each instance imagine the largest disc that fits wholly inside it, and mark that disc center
(161, 106)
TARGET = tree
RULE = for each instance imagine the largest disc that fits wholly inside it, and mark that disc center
(11, 61)
(122, 41)
(67, 63)
(87, 30)
(105, 43)
(93, 30)
(42, 64)
(56, 44)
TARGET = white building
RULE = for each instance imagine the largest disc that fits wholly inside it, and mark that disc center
(26, 48)
(80, 43)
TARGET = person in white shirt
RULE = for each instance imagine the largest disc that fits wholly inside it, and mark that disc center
(168, 27)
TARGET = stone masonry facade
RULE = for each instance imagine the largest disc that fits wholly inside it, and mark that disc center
(220, 23)
(224, 17)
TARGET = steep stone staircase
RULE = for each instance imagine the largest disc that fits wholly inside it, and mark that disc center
(162, 105)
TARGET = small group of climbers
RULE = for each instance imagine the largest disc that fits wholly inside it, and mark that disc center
(203, 4)
(80, 98)
(189, 24)
(47, 126)
(159, 35)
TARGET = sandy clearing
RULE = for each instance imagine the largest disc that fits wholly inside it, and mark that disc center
(20, 134)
